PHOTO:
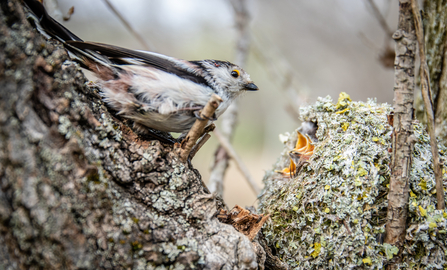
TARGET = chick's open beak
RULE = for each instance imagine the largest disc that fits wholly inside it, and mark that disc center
(251, 87)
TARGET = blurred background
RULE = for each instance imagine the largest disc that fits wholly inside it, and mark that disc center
(299, 50)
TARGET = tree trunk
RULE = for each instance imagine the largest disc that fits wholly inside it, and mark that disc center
(79, 190)
(403, 117)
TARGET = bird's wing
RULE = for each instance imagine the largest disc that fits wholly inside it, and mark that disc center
(123, 56)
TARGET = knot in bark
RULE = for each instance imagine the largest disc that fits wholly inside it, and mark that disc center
(398, 34)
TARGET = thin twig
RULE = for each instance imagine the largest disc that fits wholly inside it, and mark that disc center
(225, 143)
(199, 145)
(143, 42)
(197, 129)
(426, 95)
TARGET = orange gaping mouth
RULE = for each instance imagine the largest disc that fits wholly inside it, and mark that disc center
(301, 153)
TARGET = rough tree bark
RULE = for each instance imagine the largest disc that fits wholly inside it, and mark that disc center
(79, 190)
(403, 117)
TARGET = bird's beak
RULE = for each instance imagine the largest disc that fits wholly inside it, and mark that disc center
(251, 87)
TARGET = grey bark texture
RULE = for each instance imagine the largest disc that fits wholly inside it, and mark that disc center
(79, 190)
(403, 142)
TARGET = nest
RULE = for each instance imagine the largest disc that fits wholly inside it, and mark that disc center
(331, 214)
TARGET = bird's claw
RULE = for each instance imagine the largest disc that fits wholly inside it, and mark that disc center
(202, 117)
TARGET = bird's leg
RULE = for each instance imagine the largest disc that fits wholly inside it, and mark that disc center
(198, 116)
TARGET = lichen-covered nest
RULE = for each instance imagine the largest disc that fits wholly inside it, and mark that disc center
(331, 214)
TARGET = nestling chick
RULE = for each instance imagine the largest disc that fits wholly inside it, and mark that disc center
(153, 90)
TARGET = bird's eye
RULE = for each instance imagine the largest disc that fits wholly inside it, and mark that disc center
(235, 73)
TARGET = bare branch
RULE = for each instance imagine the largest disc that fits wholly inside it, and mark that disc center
(426, 95)
(197, 129)
(403, 139)
(143, 42)
(201, 142)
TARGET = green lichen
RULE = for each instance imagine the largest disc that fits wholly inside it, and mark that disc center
(332, 213)
(136, 246)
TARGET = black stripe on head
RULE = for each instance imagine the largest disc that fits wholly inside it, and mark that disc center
(223, 63)
(204, 65)
(216, 63)
(205, 72)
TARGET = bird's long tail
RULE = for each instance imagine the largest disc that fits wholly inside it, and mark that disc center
(49, 27)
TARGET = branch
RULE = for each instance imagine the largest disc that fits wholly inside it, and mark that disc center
(403, 140)
(426, 95)
(197, 129)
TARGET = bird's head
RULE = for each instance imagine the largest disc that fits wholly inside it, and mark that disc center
(227, 77)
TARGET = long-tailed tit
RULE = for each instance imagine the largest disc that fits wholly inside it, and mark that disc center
(152, 89)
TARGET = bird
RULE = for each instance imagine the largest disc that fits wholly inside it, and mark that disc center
(153, 90)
